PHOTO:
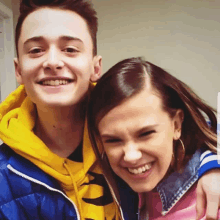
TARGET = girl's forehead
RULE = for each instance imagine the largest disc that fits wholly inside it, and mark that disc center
(143, 105)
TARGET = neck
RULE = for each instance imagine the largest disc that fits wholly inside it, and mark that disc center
(61, 129)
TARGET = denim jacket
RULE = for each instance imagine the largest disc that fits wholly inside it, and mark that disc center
(176, 185)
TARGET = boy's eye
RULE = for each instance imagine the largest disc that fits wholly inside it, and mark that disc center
(70, 50)
(144, 134)
(35, 51)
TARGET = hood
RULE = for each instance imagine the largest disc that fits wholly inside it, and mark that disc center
(17, 120)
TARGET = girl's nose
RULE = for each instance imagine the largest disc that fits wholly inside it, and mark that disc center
(132, 154)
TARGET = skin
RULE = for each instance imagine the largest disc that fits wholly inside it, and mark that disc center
(55, 48)
(208, 195)
(58, 49)
(139, 132)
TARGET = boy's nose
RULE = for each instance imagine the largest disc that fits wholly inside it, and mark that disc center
(53, 60)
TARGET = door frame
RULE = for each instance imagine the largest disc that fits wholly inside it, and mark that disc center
(8, 82)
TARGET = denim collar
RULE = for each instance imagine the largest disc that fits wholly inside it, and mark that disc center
(176, 185)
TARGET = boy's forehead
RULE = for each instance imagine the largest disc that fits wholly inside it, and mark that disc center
(53, 23)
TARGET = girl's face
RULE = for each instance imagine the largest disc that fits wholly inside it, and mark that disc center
(138, 136)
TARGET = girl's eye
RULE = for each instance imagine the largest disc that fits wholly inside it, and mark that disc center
(144, 134)
(115, 140)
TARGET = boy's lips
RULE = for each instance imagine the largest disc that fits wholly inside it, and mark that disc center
(55, 81)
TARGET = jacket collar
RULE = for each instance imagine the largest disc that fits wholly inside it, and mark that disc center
(25, 167)
(128, 199)
(176, 185)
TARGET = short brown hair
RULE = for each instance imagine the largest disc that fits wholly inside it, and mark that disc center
(84, 8)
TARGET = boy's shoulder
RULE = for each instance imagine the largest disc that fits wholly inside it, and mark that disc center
(10, 183)
(21, 198)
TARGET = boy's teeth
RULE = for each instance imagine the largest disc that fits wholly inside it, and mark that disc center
(56, 82)
(140, 169)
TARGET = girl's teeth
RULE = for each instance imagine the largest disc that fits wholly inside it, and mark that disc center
(140, 169)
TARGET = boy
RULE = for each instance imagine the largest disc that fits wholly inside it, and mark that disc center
(44, 123)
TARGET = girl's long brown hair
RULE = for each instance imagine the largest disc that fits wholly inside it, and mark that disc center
(128, 78)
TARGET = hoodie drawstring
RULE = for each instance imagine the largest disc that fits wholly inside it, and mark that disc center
(75, 189)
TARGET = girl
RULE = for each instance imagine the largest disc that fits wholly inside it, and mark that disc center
(152, 128)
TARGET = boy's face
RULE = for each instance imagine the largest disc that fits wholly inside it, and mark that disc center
(56, 61)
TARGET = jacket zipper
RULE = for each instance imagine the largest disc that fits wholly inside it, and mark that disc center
(113, 194)
(43, 184)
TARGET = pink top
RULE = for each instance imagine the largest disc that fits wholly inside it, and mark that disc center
(184, 209)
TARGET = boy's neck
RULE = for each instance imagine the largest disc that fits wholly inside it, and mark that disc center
(61, 129)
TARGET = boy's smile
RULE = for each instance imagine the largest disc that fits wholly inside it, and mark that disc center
(56, 61)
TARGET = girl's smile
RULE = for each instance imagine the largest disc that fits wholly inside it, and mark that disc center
(137, 137)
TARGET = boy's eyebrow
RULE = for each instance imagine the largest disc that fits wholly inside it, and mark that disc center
(70, 38)
(34, 39)
(41, 38)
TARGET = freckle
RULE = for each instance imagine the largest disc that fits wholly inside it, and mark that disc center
(53, 126)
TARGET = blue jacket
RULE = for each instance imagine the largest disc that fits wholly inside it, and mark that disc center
(27, 193)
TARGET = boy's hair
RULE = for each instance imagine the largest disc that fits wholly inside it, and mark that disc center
(128, 78)
(84, 8)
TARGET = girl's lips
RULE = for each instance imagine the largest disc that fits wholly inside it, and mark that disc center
(140, 169)
(140, 175)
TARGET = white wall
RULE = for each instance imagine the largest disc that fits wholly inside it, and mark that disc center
(181, 36)
(7, 75)
(6, 3)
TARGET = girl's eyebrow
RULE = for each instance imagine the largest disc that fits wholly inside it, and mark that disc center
(140, 130)
(106, 136)
(147, 128)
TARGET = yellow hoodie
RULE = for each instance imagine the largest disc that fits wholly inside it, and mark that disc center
(83, 182)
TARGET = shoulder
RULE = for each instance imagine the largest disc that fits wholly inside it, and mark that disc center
(10, 183)
(23, 199)
(5, 154)
(208, 161)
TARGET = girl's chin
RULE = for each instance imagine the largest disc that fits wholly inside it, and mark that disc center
(144, 189)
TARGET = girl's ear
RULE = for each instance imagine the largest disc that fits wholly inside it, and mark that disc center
(18, 71)
(97, 62)
(178, 120)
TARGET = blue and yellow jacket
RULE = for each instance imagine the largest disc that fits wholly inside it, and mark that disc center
(36, 184)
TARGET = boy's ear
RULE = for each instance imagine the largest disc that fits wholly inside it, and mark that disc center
(178, 121)
(97, 60)
(18, 71)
